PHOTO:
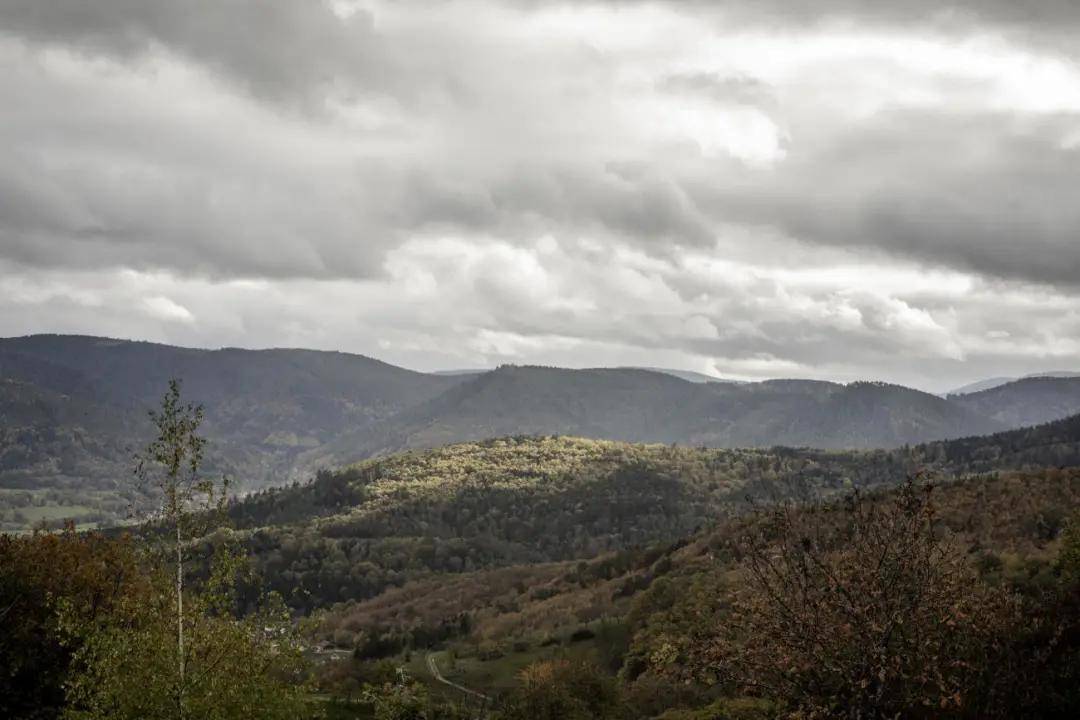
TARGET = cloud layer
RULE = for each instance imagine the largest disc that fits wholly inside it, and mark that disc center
(834, 189)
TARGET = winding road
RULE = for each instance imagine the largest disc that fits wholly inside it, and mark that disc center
(437, 674)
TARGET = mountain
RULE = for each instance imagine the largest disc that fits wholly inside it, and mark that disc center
(1028, 401)
(978, 385)
(687, 375)
(646, 406)
(461, 371)
(73, 409)
(994, 382)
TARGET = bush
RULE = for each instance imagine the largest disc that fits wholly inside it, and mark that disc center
(55, 588)
(582, 634)
(563, 690)
(407, 700)
(862, 611)
(727, 709)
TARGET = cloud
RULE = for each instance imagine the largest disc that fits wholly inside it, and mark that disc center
(446, 302)
(826, 188)
(984, 193)
(280, 49)
(163, 308)
(738, 90)
(1048, 16)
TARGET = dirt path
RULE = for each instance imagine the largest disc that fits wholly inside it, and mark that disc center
(437, 674)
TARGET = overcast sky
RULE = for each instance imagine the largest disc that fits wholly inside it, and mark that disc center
(762, 188)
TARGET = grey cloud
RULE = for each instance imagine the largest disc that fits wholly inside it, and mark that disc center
(302, 46)
(988, 193)
(87, 187)
(1045, 15)
(279, 49)
(1048, 14)
(209, 222)
(736, 89)
(966, 190)
(528, 200)
(649, 207)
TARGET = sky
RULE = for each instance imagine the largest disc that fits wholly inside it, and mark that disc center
(748, 189)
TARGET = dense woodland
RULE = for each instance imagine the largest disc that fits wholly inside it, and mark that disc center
(355, 533)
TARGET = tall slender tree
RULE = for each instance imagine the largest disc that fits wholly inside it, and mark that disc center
(170, 467)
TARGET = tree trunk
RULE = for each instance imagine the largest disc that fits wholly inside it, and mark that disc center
(180, 620)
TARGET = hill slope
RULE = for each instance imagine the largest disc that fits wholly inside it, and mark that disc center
(502, 502)
(1028, 401)
(644, 406)
(1010, 520)
(74, 408)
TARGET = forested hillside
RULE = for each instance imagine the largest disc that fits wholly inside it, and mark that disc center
(1027, 401)
(1013, 515)
(356, 532)
(648, 615)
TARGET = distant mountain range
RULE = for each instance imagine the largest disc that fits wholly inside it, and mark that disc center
(73, 409)
(688, 375)
(994, 382)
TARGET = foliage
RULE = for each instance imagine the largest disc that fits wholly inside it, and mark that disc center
(726, 709)
(864, 612)
(1069, 558)
(55, 589)
(563, 690)
(171, 463)
(237, 669)
(405, 699)
(353, 534)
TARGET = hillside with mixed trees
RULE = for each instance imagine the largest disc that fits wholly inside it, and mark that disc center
(383, 522)
(72, 408)
(664, 623)
(974, 564)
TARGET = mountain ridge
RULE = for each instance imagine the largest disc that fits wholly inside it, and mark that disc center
(74, 409)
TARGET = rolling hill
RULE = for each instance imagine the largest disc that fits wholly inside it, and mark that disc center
(643, 406)
(494, 503)
(73, 410)
(1028, 401)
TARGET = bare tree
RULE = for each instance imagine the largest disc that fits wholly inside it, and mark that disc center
(861, 611)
